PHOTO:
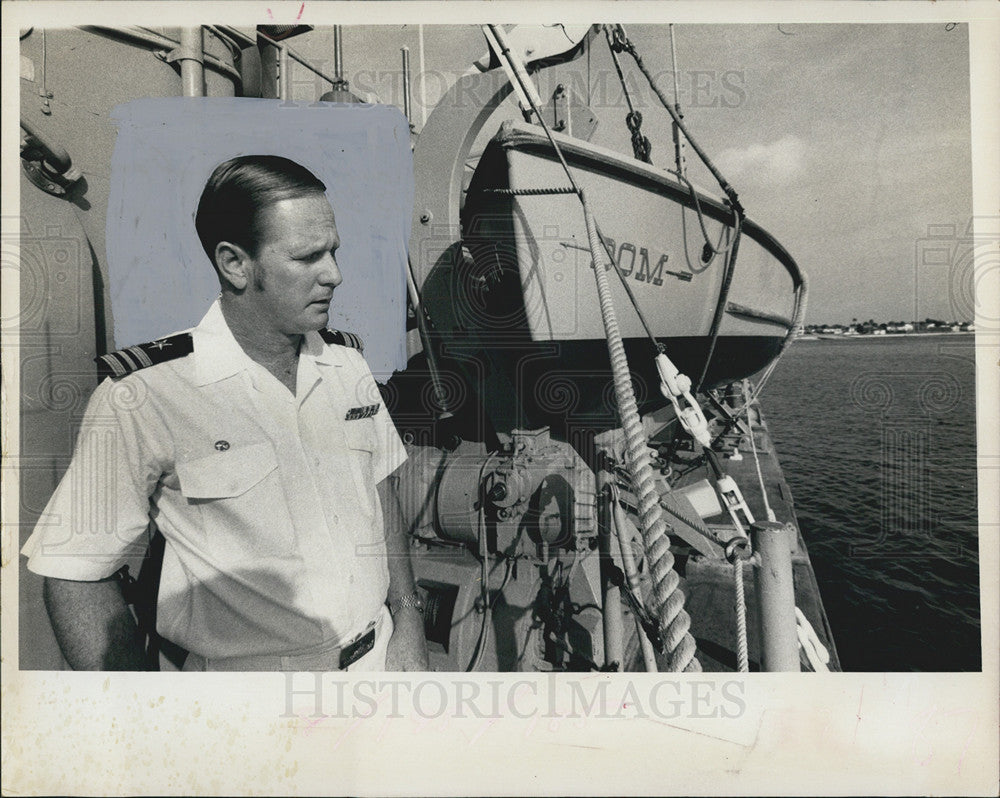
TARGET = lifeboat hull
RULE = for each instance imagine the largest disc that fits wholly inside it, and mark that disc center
(524, 287)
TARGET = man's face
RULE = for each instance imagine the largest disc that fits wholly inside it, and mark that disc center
(295, 270)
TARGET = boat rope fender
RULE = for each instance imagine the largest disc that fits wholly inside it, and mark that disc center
(674, 386)
(816, 653)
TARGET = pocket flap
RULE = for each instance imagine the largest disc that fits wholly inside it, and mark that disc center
(224, 475)
(360, 434)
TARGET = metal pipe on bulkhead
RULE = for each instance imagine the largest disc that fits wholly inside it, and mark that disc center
(779, 640)
(284, 74)
(611, 615)
(191, 55)
(406, 85)
(338, 55)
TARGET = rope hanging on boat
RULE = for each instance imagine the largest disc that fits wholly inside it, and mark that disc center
(717, 248)
(667, 598)
(756, 459)
(742, 647)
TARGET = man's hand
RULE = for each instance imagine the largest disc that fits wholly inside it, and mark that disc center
(407, 649)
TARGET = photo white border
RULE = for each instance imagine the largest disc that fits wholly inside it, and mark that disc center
(103, 733)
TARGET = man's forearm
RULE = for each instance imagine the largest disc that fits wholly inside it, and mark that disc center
(407, 649)
(396, 542)
(93, 625)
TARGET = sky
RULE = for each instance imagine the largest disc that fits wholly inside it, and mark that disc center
(849, 143)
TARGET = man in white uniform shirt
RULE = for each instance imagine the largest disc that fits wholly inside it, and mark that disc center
(258, 445)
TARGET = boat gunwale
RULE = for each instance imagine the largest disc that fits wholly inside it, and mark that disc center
(523, 137)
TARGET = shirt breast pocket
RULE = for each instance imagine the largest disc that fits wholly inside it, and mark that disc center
(361, 447)
(240, 514)
(227, 474)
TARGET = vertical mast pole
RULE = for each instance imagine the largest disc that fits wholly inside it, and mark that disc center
(192, 57)
(407, 111)
(422, 83)
(338, 56)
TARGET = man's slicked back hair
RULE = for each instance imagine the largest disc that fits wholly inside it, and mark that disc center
(239, 189)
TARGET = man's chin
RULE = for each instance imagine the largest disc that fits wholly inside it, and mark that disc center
(308, 322)
(319, 316)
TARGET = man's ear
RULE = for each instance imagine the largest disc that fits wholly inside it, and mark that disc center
(233, 264)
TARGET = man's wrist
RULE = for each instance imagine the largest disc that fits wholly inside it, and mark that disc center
(407, 602)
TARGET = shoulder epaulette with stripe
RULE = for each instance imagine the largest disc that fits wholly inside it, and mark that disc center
(341, 338)
(132, 358)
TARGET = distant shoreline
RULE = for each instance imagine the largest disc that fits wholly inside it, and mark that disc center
(870, 337)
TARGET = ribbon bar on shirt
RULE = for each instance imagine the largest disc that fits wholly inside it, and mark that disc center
(361, 412)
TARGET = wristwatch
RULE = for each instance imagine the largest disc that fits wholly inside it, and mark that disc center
(409, 600)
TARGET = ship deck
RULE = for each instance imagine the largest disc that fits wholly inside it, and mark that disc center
(709, 584)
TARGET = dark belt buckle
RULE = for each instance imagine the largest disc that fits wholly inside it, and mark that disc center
(350, 654)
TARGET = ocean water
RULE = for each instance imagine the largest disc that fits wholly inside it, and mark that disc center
(877, 438)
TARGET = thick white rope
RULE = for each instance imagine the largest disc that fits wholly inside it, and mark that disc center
(742, 653)
(668, 600)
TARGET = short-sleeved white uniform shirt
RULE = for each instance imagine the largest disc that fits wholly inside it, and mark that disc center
(275, 538)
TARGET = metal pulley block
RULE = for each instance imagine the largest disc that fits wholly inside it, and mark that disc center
(48, 166)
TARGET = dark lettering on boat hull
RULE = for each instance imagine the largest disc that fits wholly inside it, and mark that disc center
(635, 262)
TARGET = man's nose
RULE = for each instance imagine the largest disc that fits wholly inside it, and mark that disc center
(330, 272)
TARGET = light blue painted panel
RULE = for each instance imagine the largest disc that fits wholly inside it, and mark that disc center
(161, 279)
